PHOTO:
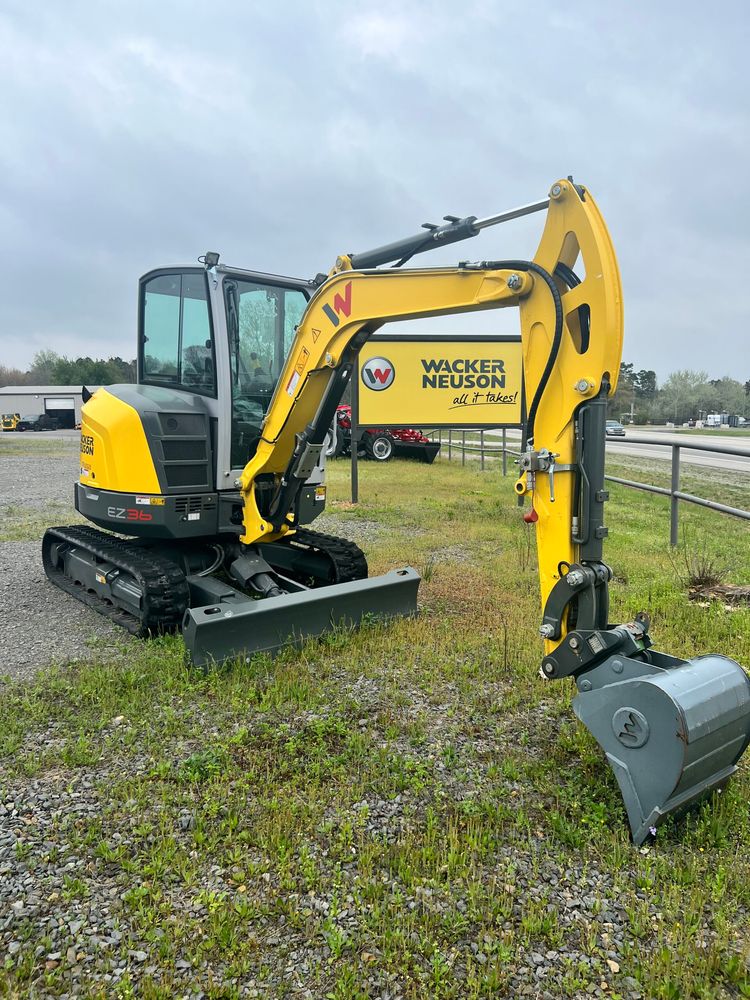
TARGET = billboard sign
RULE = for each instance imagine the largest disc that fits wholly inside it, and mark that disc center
(440, 381)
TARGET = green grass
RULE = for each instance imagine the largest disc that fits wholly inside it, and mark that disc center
(418, 776)
(19, 524)
(734, 431)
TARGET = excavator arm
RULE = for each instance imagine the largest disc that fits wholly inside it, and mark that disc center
(571, 332)
(671, 729)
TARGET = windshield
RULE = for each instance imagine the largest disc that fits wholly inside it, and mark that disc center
(261, 322)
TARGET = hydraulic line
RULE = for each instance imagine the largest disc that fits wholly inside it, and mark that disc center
(529, 265)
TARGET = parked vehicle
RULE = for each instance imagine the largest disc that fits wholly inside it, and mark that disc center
(9, 421)
(38, 422)
(381, 444)
(614, 428)
(716, 419)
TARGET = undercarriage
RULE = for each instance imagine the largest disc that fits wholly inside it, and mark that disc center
(151, 588)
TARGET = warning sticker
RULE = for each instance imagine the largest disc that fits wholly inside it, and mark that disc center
(292, 384)
(320, 494)
(315, 335)
(301, 361)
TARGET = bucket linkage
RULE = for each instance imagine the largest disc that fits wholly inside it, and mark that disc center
(672, 730)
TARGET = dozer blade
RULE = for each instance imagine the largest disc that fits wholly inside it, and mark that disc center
(672, 730)
(219, 632)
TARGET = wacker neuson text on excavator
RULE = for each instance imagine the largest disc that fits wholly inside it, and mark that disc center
(212, 466)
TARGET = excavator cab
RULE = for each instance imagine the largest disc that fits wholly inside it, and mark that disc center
(221, 334)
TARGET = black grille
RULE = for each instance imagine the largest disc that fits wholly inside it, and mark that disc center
(188, 505)
(184, 451)
(186, 475)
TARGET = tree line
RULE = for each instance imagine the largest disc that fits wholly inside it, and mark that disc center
(50, 368)
(684, 395)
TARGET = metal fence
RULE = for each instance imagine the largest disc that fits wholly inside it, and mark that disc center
(455, 442)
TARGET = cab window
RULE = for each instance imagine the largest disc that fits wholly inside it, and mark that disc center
(177, 347)
(261, 320)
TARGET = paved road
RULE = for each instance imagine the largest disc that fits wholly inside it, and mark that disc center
(688, 456)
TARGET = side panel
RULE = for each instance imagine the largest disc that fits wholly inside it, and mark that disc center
(133, 433)
(114, 451)
(145, 516)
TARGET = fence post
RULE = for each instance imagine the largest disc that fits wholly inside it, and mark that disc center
(505, 456)
(354, 435)
(463, 447)
(450, 444)
(481, 449)
(674, 526)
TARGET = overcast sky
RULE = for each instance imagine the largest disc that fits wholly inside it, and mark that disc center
(134, 135)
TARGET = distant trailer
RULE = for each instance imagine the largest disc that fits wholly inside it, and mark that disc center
(716, 419)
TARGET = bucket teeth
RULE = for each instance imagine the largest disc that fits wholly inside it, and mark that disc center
(672, 734)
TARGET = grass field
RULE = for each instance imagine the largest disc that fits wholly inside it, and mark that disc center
(734, 431)
(408, 811)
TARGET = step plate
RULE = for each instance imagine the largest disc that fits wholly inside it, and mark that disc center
(220, 632)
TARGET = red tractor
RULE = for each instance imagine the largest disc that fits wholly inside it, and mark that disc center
(381, 444)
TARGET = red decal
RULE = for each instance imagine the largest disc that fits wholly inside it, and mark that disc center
(343, 305)
(379, 375)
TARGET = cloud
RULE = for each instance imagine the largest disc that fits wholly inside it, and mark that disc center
(134, 135)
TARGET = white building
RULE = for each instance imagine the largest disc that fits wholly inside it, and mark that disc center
(61, 401)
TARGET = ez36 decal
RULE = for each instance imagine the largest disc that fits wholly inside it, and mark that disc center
(129, 514)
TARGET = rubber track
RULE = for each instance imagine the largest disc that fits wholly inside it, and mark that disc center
(163, 585)
(348, 559)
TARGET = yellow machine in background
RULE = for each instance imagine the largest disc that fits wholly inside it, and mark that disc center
(10, 421)
(214, 463)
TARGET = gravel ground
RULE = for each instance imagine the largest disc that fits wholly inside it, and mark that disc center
(80, 904)
(42, 625)
(106, 852)
(38, 470)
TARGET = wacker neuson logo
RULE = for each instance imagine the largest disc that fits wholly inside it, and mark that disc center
(378, 373)
(463, 373)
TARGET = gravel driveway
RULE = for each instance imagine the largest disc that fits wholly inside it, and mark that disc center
(40, 625)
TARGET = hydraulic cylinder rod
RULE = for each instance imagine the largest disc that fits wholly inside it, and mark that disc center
(433, 237)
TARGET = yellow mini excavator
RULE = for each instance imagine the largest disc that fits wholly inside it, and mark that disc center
(9, 421)
(212, 466)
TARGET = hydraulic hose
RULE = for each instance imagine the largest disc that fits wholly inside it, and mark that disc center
(571, 279)
(529, 265)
